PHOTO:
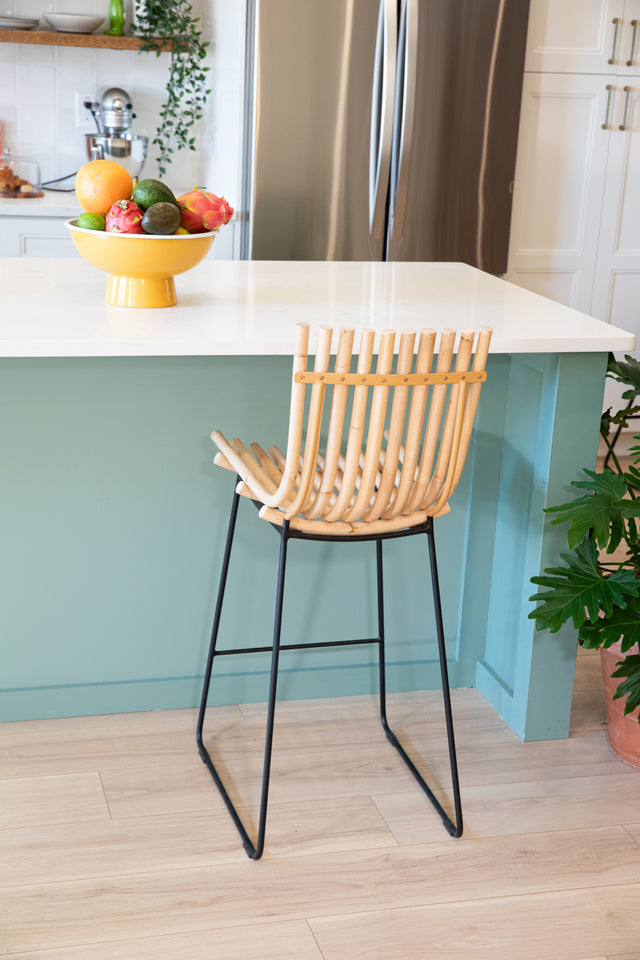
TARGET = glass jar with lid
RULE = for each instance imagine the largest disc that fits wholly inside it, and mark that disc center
(19, 178)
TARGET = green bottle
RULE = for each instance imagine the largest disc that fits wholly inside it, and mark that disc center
(116, 15)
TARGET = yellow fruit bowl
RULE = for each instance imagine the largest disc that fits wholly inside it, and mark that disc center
(141, 267)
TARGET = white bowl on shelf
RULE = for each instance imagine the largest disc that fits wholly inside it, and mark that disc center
(9, 22)
(72, 22)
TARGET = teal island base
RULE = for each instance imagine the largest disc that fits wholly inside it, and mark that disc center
(114, 522)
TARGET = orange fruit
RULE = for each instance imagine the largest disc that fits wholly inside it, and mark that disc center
(99, 183)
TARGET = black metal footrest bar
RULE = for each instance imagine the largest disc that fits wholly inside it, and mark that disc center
(296, 646)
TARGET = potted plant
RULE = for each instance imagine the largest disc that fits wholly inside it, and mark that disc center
(158, 24)
(597, 591)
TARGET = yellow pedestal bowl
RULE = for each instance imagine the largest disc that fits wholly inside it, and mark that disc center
(141, 267)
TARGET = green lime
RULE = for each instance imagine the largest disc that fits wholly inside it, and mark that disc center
(91, 221)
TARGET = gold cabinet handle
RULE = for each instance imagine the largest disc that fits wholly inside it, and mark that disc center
(623, 125)
(634, 24)
(609, 88)
(616, 24)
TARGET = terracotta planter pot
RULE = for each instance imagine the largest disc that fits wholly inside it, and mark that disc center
(624, 732)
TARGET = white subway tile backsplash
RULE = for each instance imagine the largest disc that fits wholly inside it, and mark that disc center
(8, 52)
(37, 125)
(35, 54)
(46, 159)
(74, 60)
(8, 127)
(114, 68)
(7, 84)
(36, 88)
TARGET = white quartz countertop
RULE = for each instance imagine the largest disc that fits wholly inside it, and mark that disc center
(56, 308)
(56, 204)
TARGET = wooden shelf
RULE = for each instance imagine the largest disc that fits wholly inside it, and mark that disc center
(54, 39)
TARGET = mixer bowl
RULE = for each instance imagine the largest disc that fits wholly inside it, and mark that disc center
(141, 267)
(127, 149)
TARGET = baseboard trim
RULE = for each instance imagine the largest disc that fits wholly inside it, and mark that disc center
(135, 696)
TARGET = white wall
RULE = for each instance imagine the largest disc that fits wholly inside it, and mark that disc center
(38, 87)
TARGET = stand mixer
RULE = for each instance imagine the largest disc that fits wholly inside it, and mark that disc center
(113, 115)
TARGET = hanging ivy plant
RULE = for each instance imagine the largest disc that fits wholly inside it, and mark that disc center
(157, 22)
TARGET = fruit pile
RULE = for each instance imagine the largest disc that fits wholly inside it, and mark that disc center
(116, 203)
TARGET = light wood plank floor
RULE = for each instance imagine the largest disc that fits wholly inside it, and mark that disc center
(115, 844)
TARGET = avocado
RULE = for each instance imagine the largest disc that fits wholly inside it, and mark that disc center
(161, 218)
(147, 192)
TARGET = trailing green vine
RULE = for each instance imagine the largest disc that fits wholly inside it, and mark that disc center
(159, 21)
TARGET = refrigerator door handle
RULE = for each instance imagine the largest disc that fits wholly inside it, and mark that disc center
(404, 114)
(382, 115)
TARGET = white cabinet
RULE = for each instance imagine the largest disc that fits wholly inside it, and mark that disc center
(559, 182)
(575, 228)
(584, 36)
(616, 287)
(35, 237)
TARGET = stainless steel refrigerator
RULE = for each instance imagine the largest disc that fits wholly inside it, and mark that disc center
(382, 129)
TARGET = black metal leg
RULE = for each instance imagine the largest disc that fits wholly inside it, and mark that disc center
(381, 651)
(216, 618)
(455, 829)
(256, 850)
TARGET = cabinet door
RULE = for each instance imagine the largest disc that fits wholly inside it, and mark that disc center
(577, 36)
(559, 182)
(616, 293)
(629, 54)
(34, 237)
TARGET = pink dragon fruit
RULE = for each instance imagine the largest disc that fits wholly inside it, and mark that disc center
(203, 211)
(124, 217)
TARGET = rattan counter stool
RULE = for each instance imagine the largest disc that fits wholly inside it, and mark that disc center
(341, 487)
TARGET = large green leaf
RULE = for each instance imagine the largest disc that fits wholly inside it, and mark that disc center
(625, 372)
(603, 511)
(629, 688)
(624, 623)
(579, 591)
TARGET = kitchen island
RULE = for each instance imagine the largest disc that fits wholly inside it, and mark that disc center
(114, 517)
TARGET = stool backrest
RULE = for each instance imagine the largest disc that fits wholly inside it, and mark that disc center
(418, 424)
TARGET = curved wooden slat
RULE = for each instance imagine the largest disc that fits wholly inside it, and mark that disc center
(296, 422)
(356, 431)
(314, 422)
(394, 433)
(336, 426)
(436, 400)
(473, 396)
(266, 463)
(375, 432)
(451, 426)
(410, 453)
